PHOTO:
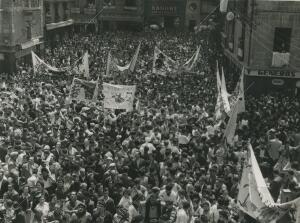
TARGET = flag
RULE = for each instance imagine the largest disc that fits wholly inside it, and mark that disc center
(40, 66)
(163, 64)
(231, 125)
(254, 197)
(223, 5)
(118, 96)
(218, 108)
(224, 94)
(190, 64)
(82, 66)
(134, 59)
(238, 94)
(82, 90)
(112, 62)
(219, 83)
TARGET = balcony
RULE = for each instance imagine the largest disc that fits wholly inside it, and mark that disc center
(90, 11)
(280, 59)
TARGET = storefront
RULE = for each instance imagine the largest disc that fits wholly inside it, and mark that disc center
(259, 82)
(168, 14)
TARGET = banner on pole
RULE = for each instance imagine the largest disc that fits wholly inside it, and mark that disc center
(82, 90)
(163, 64)
(118, 96)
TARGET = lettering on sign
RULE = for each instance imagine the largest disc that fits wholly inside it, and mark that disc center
(280, 73)
(273, 73)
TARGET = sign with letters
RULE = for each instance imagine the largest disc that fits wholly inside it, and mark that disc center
(273, 73)
(167, 7)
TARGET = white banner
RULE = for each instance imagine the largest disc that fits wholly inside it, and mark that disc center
(40, 66)
(82, 90)
(118, 96)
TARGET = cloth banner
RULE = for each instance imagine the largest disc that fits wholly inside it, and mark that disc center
(82, 90)
(231, 125)
(40, 66)
(190, 64)
(82, 66)
(254, 197)
(219, 83)
(118, 96)
(112, 63)
(163, 64)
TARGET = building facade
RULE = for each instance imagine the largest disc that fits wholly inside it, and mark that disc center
(169, 14)
(121, 14)
(84, 14)
(21, 31)
(263, 37)
(57, 17)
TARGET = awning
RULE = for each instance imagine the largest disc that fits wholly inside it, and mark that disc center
(30, 43)
(59, 24)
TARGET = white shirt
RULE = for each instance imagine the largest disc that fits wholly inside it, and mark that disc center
(182, 217)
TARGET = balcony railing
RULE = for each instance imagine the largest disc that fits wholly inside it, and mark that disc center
(280, 59)
(90, 11)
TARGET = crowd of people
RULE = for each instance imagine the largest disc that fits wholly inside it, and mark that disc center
(163, 162)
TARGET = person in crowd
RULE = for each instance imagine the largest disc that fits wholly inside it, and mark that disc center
(69, 160)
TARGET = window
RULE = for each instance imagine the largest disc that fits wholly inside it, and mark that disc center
(130, 3)
(282, 40)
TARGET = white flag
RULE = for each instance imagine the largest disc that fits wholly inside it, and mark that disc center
(219, 83)
(190, 64)
(134, 59)
(254, 197)
(224, 94)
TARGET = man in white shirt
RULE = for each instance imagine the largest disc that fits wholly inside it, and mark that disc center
(183, 214)
(168, 194)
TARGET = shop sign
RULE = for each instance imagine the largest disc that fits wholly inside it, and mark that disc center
(274, 73)
(167, 7)
(278, 82)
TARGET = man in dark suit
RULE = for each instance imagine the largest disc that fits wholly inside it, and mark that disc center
(3, 184)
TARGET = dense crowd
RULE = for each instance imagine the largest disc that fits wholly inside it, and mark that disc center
(163, 162)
